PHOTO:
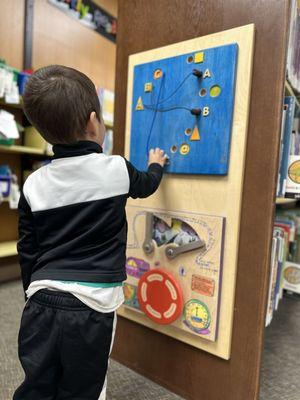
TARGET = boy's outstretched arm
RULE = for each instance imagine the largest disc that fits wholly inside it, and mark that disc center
(27, 244)
(143, 184)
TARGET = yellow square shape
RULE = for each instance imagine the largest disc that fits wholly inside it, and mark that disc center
(199, 57)
(148, 87)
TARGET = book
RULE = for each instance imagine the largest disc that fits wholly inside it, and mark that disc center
(291, 277)
(293, 173)
(281, 145)
(293, 177)
(280, 235)
(272, 284)
(289, 102)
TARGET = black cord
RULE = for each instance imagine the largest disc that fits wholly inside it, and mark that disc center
(156, 109)
(167, 109)
(175, 91)
(154, 116)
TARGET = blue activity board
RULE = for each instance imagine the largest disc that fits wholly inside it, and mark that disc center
(184, 105)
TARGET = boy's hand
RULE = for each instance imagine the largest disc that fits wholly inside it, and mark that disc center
(157, 156)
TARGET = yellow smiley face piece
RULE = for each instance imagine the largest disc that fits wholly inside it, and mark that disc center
(184, 149)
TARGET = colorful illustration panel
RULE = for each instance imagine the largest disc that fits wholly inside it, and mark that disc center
(184, 105)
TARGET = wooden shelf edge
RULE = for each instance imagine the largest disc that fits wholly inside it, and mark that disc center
(8, 249)
(21, 149)
(19, 106)
(284, 200)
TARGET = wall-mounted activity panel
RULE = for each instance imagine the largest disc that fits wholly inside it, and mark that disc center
(184, 105)
(174, 266)
(183, 240)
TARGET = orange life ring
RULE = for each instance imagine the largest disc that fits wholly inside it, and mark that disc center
(160, 296)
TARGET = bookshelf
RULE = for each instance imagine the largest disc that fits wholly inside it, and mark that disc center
(286, 224)
(17, 156)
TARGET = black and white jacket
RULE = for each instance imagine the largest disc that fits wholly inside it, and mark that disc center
(72, 220)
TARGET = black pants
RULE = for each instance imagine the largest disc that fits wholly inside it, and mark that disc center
(64, 348)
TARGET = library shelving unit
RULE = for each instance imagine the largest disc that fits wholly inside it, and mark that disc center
(290, 91)
(17, 156)
(199, 374)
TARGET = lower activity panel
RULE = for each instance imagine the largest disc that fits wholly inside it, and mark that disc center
(174, 269)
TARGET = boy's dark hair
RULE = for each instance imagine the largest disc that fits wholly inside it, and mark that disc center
(58, 101)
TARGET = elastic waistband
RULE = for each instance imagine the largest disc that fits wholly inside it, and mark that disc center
(55, 299)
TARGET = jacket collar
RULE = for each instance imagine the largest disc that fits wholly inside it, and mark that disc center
(81, 148)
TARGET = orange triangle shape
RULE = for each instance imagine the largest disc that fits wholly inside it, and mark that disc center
(139, 104)
(195, 135)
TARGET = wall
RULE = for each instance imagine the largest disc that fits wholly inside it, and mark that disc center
(11, 32)
(58, 39)
(144, 25)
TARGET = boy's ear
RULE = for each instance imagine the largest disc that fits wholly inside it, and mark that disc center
(91, 126)
(95, 128)
(93, 117)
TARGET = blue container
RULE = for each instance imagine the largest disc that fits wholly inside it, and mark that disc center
(5, 180)
(22, 80)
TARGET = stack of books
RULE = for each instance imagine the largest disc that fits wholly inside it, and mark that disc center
(285, 259)
(289, 157)
(293, 55)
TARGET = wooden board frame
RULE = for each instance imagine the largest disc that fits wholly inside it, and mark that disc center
(202, 194)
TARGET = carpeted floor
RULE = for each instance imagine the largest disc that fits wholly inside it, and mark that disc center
(280, 371)
(280, 375)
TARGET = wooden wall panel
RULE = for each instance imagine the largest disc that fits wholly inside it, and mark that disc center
(58, 39)
(143, 25)
(11, 32)
(200, 194)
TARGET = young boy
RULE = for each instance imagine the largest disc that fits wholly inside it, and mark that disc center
(72, 245)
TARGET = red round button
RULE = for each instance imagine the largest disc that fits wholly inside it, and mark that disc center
(160, 296)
